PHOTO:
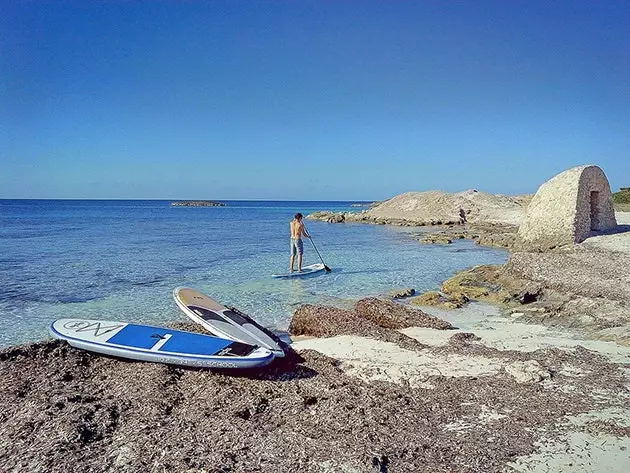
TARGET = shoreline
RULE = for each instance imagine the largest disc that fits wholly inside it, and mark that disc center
(493, 394)
(520, 385)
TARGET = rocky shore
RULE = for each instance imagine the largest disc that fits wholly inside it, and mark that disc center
(517, 368)
(386, 391)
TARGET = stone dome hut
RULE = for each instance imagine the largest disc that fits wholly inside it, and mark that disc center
(567, 209)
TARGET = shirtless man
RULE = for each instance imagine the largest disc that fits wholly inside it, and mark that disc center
(297, 247)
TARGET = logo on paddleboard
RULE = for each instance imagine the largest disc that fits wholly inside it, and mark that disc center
(97, 328)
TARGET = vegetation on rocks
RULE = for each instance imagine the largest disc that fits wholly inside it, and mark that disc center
(622, 197)
(434, 298)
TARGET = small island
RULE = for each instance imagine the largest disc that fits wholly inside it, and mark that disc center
(197, 203)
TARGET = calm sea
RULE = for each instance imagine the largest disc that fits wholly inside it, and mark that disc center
(120, 260)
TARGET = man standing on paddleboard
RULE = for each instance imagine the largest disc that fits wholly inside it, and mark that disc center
(297, 247)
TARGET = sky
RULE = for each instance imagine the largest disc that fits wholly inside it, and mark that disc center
(308, 100)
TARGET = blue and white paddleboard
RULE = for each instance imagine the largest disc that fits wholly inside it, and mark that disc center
(158, 344)
(226, 322)
(306, 270)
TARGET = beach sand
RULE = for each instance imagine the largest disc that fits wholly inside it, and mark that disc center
(597, 440)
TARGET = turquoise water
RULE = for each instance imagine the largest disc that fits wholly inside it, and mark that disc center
(121, 260)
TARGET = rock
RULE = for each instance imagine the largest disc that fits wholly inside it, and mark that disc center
(336, 218)
(529, 294)
(434, 298)
(403, 292)
(429, 298)
(389, 314)
(478, 283)
(463, 338)
(527, 371)
(436, 239)
(123, 456)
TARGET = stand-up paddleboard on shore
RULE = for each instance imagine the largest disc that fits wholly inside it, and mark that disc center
(158, 344)
(226, 322)
(306, 270)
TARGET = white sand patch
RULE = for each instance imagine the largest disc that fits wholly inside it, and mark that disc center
(583, 450)
(372, 360)
(615, 242)
(505, 334)
(623, 218)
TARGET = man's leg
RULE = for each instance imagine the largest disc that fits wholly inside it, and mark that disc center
(300, 250)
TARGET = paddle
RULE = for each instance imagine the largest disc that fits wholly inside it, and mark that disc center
(328, 270)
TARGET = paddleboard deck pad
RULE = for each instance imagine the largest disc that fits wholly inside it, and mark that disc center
(306, 270)
(226, 322)
(158, 344)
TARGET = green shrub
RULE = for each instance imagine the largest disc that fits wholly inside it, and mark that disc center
(621, 197)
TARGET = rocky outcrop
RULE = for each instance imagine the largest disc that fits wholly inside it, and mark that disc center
(402, 292)
(496, 235)
(436, 299)
(471, 206)
(437, 208)
(481, 283)
(197, 203)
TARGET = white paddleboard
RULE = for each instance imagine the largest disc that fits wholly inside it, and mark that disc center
(226, 322)
(158, 344)
(306, 270)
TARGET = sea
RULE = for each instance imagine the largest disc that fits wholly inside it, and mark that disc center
(121, 260)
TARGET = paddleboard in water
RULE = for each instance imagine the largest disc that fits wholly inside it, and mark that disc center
(158, 344)
(306, 270)
(226, 322)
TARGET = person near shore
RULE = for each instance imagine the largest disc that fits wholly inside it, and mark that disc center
(297, 246)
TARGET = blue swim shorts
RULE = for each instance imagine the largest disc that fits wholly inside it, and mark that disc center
(297, 247)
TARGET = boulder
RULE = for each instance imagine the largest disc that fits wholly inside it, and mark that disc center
(429, 298)
(527, 371)
(436, 239)
(434, 298)
(478, 283)
(403, 292)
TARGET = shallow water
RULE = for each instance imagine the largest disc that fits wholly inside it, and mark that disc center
(121, 260)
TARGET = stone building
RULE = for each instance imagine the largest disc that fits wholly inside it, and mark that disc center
(567, 209)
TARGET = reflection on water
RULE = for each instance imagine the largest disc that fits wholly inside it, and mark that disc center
(121, 260)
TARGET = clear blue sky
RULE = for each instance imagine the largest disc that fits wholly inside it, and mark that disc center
(308, 99)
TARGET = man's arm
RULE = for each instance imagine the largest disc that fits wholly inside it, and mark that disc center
(304, 232)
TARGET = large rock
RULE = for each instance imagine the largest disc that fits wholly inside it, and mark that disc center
(479, 283)
(527, 371)
(389, 314)
(443, 208)
(402, 292)
(567, 209)
(434, 298)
